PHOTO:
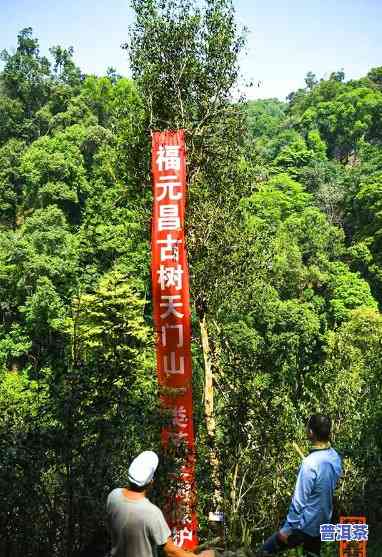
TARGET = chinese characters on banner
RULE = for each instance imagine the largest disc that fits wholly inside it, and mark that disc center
(171, 308)
(355, 546)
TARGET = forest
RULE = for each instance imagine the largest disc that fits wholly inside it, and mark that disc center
(284, 238)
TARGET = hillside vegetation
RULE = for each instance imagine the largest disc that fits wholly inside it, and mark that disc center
(284, 236)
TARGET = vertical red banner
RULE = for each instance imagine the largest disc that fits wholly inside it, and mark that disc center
(171, 308)
(352, 547)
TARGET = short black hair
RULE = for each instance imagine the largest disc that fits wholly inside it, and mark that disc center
(137, 488)
(320, 426)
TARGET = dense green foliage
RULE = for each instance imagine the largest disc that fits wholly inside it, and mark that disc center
(284, 239)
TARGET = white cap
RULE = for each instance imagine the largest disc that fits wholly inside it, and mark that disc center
(142, 469)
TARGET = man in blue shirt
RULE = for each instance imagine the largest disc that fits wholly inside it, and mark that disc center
(312, 502)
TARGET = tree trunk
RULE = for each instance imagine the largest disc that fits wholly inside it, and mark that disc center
(209, 414)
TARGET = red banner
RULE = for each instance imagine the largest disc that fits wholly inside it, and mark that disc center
(171, 308)
(355, 545)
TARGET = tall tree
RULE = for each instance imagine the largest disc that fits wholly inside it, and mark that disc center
(26, 74)
(184, 59)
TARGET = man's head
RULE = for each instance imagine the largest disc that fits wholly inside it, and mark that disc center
(319, 427)
(141, 471)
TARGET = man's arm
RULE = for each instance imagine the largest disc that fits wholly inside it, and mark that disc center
(161, 537)
(304, 486)
(171, 550)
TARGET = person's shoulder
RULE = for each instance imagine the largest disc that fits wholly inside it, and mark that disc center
(332, 456)
(153, 509)
(309, 466)
(156, 523)
(318, 459)
(336, 458)
(310, 461)
(335, 453)
(114, 494)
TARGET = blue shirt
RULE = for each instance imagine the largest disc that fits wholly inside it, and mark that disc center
(312, 502)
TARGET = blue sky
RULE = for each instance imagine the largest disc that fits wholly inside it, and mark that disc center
(287, 38)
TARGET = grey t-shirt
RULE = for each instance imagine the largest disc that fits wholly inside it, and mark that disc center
(137, 527)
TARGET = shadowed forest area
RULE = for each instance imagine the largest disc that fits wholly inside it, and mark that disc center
(284, 237)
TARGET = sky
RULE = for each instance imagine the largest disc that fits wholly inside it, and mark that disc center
(286, 38)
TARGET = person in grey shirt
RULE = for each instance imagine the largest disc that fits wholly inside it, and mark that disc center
(312, 501)
(137, 526)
